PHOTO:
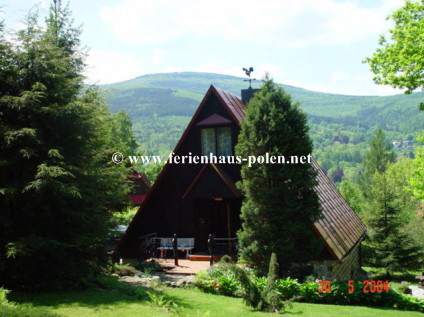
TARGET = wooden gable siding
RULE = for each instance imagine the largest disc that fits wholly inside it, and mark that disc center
(202, 187)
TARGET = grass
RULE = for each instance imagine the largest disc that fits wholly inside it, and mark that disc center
(110, 303)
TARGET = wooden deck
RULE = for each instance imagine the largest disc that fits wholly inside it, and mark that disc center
(184, 266)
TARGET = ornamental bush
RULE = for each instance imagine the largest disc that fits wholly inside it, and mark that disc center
(340, 295)
(306, 292)
(218, 280)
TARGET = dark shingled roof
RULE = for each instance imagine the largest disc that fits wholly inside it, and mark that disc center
(340, 227)
(233, 103)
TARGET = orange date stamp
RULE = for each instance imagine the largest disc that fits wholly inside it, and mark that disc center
(368, 286)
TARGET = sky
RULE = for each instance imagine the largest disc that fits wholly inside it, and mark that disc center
(318, 45)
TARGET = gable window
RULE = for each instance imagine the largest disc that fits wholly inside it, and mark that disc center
(216, 141)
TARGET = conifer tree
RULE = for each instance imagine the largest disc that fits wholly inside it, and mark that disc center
(379, 155)
(392, 246)
(58, 186)
(280, 202)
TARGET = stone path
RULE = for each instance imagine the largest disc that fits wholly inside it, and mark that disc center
(173, 276)
(171, 280)
(417, 291)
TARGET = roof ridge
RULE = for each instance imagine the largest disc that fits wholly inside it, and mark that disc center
(227, 92)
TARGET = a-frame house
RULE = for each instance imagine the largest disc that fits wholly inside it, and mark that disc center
(195, 200)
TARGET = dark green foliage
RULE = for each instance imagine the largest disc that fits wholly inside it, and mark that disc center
(273, 271)
(250, 293)
(272, 300)
(58, 186)
(390, 245)
(288, 288)
(124, 270)
(353, 194)
(390, 242)
(280, 202)
(258, 293)
(340, 295)
(219, 279)
(252, 288)
(148, 267)
(151, 170)
(122, 133)
(378, 156)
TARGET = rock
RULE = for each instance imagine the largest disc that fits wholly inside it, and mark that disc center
(170, 280)
(416, 291)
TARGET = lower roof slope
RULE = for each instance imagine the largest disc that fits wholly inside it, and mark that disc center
(340, 227)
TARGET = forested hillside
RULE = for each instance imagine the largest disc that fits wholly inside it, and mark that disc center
(160, 106)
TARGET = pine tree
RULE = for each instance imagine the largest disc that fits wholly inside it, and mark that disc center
(58, 186)
(392, 246)
(280, 203)
(379, 155)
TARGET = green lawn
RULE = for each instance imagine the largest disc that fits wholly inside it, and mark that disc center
(109, 303)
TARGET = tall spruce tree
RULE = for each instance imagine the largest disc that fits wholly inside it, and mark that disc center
(379, 155)
(58, 186)
(392, 246)
(280, 203)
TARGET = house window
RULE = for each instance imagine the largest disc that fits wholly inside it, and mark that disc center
(216, 141)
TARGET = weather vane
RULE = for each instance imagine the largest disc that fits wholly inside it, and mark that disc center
(248, 72)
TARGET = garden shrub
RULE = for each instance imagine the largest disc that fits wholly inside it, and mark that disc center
(231, 280)
(271, 299)
(260, 282)
(403, 288)
(218, 280)
(309, 292)
(3, 296)
(148, 267)
(340, 295)
(288, 287)
(124, 270)
(407, 302)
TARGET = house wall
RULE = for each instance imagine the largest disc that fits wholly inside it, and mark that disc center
(344, 270)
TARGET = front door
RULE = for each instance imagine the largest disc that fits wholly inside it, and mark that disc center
(213, 216)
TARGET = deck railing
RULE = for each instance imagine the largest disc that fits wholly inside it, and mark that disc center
(147, 246)
(222, 246)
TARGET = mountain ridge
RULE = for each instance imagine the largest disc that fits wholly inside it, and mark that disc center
(161, 105)
(241, 79)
